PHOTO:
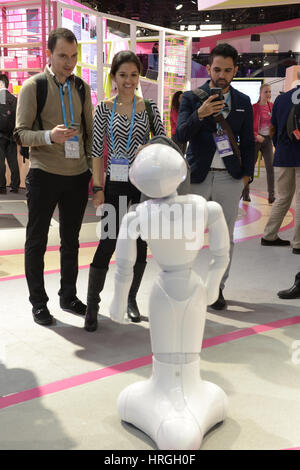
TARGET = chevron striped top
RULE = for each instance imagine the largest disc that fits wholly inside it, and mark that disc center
(121, 126)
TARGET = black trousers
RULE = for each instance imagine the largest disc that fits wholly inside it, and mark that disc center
(44, 192)
(8, 151)
(120, 196)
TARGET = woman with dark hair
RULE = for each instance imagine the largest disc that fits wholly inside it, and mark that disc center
(175, 103)
(124, 121)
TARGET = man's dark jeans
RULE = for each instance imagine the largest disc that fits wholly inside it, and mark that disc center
(8, 151)
(44, 192)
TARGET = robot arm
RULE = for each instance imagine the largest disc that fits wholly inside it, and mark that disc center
(125, 261)
(219, 245)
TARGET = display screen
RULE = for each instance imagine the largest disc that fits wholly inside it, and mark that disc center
(249, 86)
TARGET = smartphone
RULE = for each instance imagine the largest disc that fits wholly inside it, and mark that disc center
(74, 125)
(217, 91)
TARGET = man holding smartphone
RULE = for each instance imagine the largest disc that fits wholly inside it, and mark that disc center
(217, 120)
(59, 173)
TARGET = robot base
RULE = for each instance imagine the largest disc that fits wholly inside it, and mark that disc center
(174, 407)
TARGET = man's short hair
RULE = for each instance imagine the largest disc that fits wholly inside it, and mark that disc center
(225, 50)
(4, 79)
(59, 33)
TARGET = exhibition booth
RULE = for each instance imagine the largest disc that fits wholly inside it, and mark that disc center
(24, 28)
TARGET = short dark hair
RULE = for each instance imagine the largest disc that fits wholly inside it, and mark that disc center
(123, 57)
(225, 50)
(4, 79)
(59, 33)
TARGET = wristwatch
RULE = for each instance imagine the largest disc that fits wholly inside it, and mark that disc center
(95, 189)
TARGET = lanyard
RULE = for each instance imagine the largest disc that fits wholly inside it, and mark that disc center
(63, 103)
(219, 127)
(131, 125)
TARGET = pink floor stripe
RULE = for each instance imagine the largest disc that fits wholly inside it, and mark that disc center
(60, 385)
(71, 382)
(20, 251)
(238, 334)
(52, 271)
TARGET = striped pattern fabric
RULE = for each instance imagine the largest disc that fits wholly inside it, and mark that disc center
(121, 126)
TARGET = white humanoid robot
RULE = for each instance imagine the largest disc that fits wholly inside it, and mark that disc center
(175, 407)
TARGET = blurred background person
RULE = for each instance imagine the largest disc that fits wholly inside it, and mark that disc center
(262, 112)
(8, 147)
(175, 103)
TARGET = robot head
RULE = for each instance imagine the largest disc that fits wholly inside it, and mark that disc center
(158, 170)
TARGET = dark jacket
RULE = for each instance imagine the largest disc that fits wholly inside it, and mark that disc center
(8, 114)
(287, 153)
(200, 135)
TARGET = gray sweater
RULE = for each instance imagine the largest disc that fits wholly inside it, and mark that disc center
(51, 158)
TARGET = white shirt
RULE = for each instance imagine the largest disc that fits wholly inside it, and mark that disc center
(217, 161)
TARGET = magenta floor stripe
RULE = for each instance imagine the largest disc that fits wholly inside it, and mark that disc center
(65, 384)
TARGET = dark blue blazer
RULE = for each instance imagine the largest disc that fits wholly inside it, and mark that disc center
(287, 153)
(202, 146)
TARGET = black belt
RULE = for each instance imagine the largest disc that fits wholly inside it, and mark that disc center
(217, 169)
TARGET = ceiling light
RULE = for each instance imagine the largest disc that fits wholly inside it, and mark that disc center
(207, 17)
(179, 6)
(206, 27)
(233, 18)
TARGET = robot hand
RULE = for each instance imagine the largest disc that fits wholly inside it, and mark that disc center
(118, 313)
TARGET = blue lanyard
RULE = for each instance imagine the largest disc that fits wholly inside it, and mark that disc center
(63, 103)
(131, 125)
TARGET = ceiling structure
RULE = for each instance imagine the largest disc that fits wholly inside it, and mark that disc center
(215, 4)
(164, 12)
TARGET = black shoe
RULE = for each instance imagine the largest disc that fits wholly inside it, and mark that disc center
(42, 316)
(292, 293)
(91, 321)
(73, 306)
(296, 251)
(271, 199)
(277, 242)
(96, 282)
(220, 304)
(133, 311)
(14, 190)
(3, 191)
(247, 198)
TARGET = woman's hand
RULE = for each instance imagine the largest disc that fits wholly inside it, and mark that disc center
(260, 138)
(98, 198)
